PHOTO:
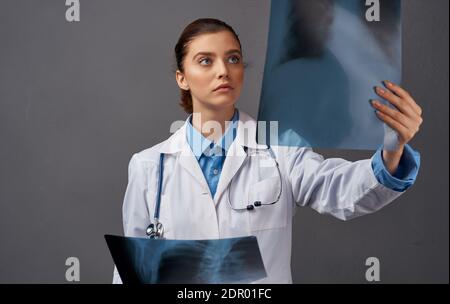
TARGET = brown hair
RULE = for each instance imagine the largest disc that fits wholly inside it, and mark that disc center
(194, 29)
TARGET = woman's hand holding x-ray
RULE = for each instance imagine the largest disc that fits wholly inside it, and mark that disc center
(405, 119)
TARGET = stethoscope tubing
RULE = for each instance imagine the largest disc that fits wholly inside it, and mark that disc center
(156, 229)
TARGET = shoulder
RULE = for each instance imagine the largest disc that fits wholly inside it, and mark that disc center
(292, 144)
(150, 154)
(288, 154)
(150, 157)
(143, 165)
(145, 161)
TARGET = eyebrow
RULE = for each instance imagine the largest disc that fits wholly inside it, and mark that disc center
(211, 54)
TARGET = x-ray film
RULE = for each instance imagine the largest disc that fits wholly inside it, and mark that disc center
(159, 261)
(324, 58)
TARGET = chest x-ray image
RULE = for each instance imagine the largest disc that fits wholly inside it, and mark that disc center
(160, 261)
(324, 58)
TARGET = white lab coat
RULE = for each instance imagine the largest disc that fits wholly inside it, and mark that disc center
(333, 186)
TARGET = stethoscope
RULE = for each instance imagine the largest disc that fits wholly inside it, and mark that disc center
(256, 204)
(156, 229)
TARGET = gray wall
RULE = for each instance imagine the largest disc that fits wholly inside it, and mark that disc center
(78, 99)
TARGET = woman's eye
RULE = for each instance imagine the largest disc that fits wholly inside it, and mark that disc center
(204, 61)
(234, 59)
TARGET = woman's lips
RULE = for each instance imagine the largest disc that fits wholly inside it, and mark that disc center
(224, 89)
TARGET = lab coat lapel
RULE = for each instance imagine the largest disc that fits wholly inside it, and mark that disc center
(236, 155)
(233, 162)
(189, 162)
(177, 143)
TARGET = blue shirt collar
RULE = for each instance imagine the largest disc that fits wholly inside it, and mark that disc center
(201, 145)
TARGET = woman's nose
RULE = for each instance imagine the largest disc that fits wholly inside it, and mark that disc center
(222, 69)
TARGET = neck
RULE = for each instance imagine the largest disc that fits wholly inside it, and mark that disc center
(212, 123)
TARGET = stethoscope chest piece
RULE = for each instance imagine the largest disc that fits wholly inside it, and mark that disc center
(155, 230)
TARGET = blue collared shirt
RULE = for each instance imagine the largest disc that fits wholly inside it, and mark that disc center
(211, 157)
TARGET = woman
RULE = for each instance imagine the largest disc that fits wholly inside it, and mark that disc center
(197, 204)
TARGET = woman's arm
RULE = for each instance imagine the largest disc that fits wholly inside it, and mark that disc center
(335, 186)
(135, 212)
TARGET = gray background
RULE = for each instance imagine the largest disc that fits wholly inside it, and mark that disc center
(78, 99)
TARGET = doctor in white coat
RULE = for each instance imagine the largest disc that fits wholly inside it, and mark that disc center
(211, 177)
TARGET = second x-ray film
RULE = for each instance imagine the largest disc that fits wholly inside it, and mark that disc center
(324, 59)
(160, 261)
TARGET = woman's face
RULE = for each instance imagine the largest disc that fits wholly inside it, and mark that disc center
(212, 60)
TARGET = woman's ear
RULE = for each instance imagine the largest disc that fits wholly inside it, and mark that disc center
(181, 80)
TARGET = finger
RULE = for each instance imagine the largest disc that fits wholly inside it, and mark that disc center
(404, 133)
(409, 122)
(397, 101)
(392, 123)
(403, 94)
(396, 89)
(394, 114)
